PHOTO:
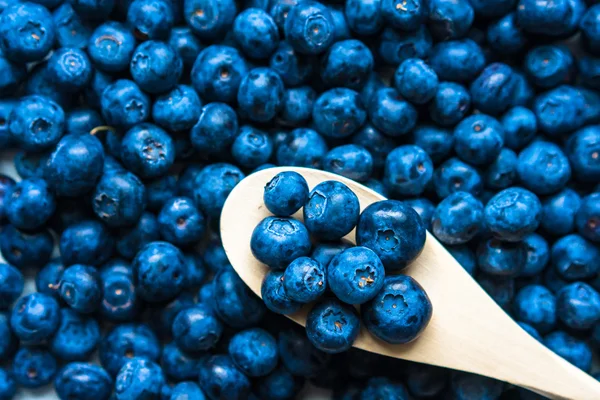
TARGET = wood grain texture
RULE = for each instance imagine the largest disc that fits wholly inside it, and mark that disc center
(467, 332)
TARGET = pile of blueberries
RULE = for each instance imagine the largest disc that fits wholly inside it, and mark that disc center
(389, 235)
(130, 121)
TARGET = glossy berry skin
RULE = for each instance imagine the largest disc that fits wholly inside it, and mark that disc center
(506, 36)
(348, 63)
(331, 211)
(450, 104)
(209, 19)
(196, 329)
(29, 204)
(277, 241)
(212, 186)
(338, 113)
(297, 106)
(457, 60)
(395, 324)
(396, 46)
(218, 374)
(275, 296)
(498, 258)
(36, 123)
(559, 212)
(356, 275)
(70, 69)
(13, 75)
(150, 19)
(260, 95)
(450, 19)
(376, 143)
(76, 337)
(119, 199)
(81, 288)
(404, 16)
(158, 191)
(180, 222)
(293, 68)
(279, 384)
(304, 280)
(302, 147)
(11, 285)
(457, 218)
(159, 270)
(513, 213)
(178, 109)
(27, 32)
(186, 390)
(491, 91)
(256, 33)
(502, 172)
(325, 252)
(8, 387)
(590, 33)
(575, 258)
(26, 249)
(33, 367)
(587, 219)
(543, 167)
(465, 385)
(155, 67)
(120, 301)
(500, 289)
(139, 378)
(389, 113)
(71, 31)
(84, 381)
(423, 207)
(578, 306)
(583, 149)
(531, 330)
(575, 351)
(234, 303)
(408, 170)
(377, 387)
(394, 231)
(364, 16)
(560, 19)
(538, 254)
(124, 104)
(536, 306)
(111, 46)
(310, 28)
(126, 341)
(216, 128)
(286, 193)
(87, 242)
(178, 365)
(252, 147)
(465, 257)
(35, 318)
(416, 81)
(254, 352)
(352, 161)
(218, 72)
(548, 66)
(332, 326)
(147, 150)
(478, 139)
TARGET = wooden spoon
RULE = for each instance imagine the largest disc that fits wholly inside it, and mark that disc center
(467, 332)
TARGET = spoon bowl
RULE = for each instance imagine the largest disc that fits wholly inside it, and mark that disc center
(468, 330)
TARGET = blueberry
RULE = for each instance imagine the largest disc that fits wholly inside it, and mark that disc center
(530, 330)
(578, 306)
(189, 390)
(457, 218)
(559, 212)
(356, 275)
(147, 151)
(394, 231)
(88, 242)
(196, 329)
(573, 257)
(450, 104)
(178, 365)
(536, 306)
(71, 29)
(449, 19)
(587, 219)
(277, 241)
(492, 90)
(465, 257)
(124, 104)
(8, 386)
(302, 147)
(36, 123)
(352, 161)
(13, 75)
(216, 128)
(377, 144)
(119, 199)
(589, 69)
(150, 19)
(214, 255)
(35, 317)
(538, 254)
(500, 258)
(348, 63)
(548, 66)
(457, 60)
(338, 113)
(297, 106)
(138, 378)
(559, 20)
(212, 186)
(377, 387)
(155, 66)
(131, 240)
(6, 107)
(513, 213)
(33, 367)
(423, 207)
(279, 384)
(364, 17)
(76, 337)
(478, 139)
(575, 351)
(304, 280)
(275, 295)
(408, 170)
(81, 288)
(84, 381)
(218, 72)
(558, 110)
(465, 385)
(404, 16)
(286, 193)
(218, 374)
(186, 44)
(583, 149)
(195, 270)
(543, 167)
(293, 68)
(390, 114)
(254, 352)
(82, 120)
(332, 210)
(425, 380)
(332, 326)
(252, 147)
(234, 303)
(590, 33)
(26, 249)
(209, 19)
(162, 315)
(27, 32)
(11, 285)
(299, 355)
(505, 36)
(70, 69)
(399, 312)
(416, 81)
(75, 165)
(309, 28)
(120, 301)
(395, 46)
(178, 109)
(180, 222)
(125, 341)
(256, 33)
(159, 270)
(111, 46)
(500, 288)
